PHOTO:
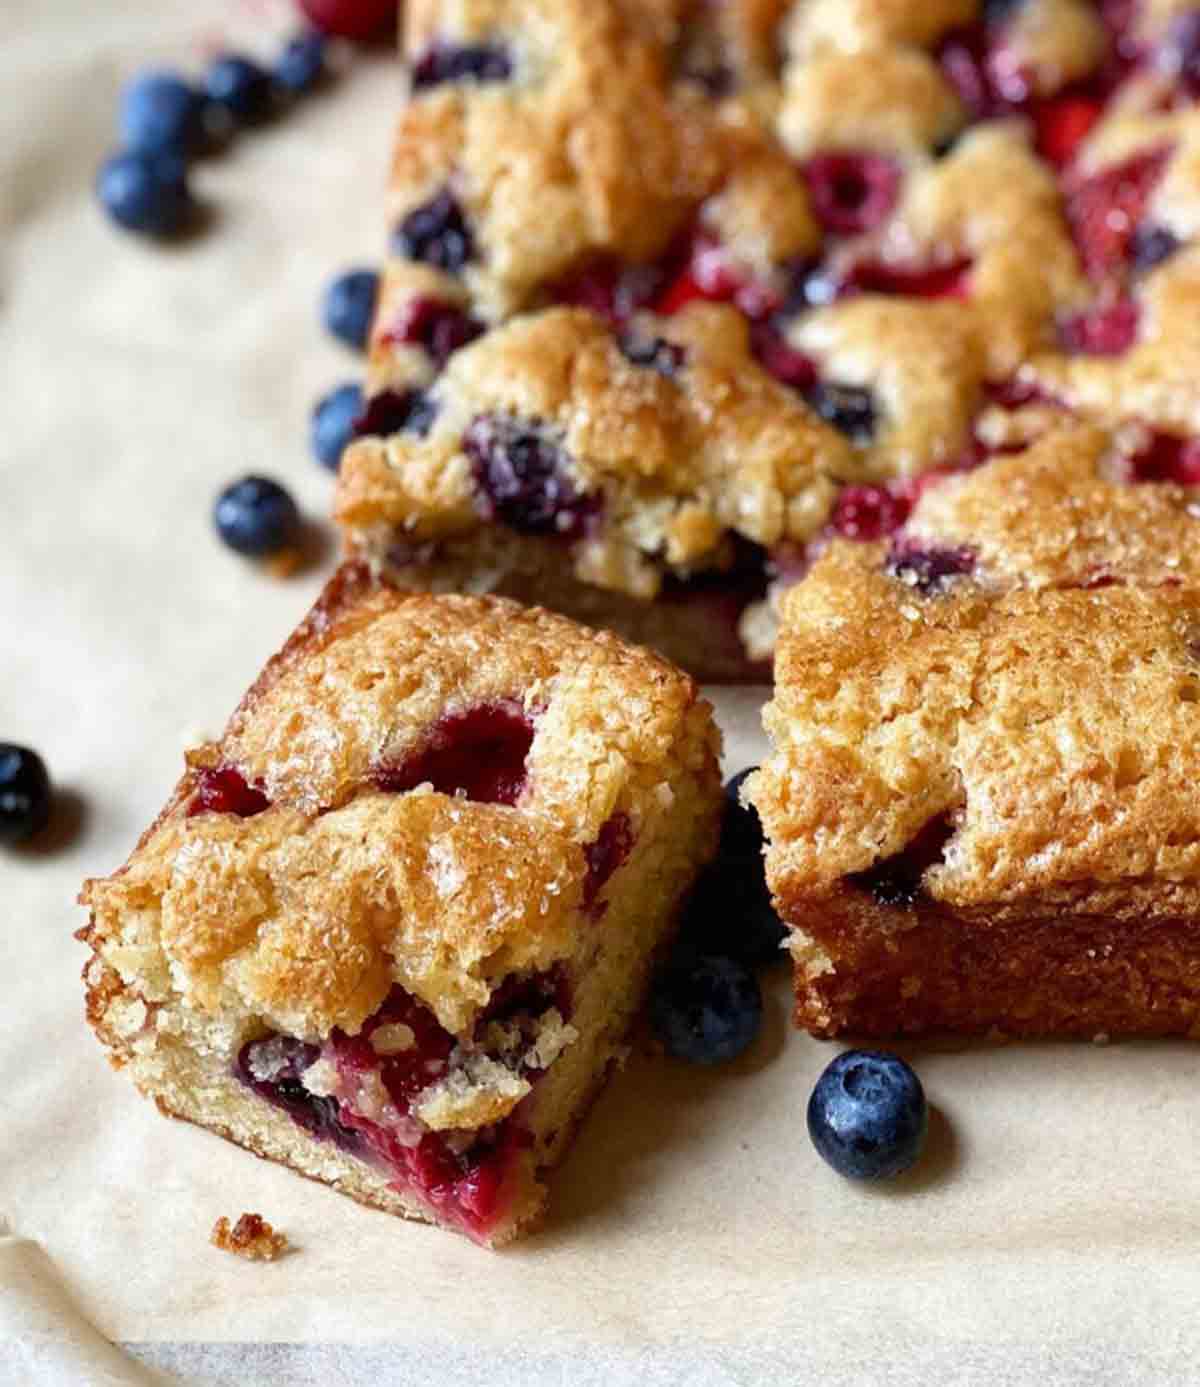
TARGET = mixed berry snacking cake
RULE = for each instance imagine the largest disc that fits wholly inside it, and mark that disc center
(679, 289)
(392, 928)
(981, 805)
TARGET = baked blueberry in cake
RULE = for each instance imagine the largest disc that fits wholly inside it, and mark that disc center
(390, 930)
(679, 290)
(981, 805)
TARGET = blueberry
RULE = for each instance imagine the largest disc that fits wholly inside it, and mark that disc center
(706, 1010)
(256, 516)
(437, 234)
(849, 408)
(479, 62)
(1151, 245)
(160, 111)
(929, 571)
(997, 12)
(396, 411)
(523, 476)
(240, 87)
(24, 793)
(731, 913)
(741, 831)
(348, 306)
(867, 1116)
(301, 65)
(654, 353)
(145, 192)
(333, 424)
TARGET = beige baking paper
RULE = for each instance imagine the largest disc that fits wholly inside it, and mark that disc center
(1049, 1238)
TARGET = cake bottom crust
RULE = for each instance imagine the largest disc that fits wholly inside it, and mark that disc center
(863, 970)
(698, 626)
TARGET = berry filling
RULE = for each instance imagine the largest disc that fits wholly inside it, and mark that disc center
(1179, 55)
(446, 62)
(363, 1093)
(1105, 212)
(612, 846)
(224, 790)
(849, 408)
(611, 289)
(851, 193)
(896, 881)
(704, 271)
(1151, 245)
(1104, 331)
(523, 478)
(439, 327)
(437, 234)
(479, 753)
(869, 512)
(949, 281)
(396, 411)
(1166, 458)
(775, 355)
(928, 571)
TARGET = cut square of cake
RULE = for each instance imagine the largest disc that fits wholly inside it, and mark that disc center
(982, 806)
(392, 928)
(677, 291)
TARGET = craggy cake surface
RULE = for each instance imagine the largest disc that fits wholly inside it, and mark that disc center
(682, 289)
(985, 725)
(433, 829)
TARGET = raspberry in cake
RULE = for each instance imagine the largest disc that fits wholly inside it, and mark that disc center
(980, 807)
(392, 928)
(672, 287)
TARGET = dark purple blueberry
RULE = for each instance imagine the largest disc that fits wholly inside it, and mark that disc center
(436, 233)
(348, 306)
(446, 62)
(396, 411)
(996, 12)
(240, 87)
(896, 881)
(868, 1116)
(272, 1068)
(147, 193)
(439, 327)
(24, 793)
(849, 408)
(655, 353)
(1151, 245)
(301, 64)
(256, 517)
(523, 476)
(929, 571)
(706, 1010)
(160, 112)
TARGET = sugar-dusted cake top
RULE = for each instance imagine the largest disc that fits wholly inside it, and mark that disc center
(429, 791)
(1009, 686)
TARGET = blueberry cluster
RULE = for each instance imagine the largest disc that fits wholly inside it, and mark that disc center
(707, 1004)
(165, 121)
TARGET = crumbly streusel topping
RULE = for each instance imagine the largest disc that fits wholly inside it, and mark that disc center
(908, 205)
(1021, 662)
(304, 912)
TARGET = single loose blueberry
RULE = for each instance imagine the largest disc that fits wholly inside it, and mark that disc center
(741, 831)
(256, 516)
(333, 420)
(24, 793)
(706, 1010)
(160, 112)
(241, 87)
(301, 64)
(731, 914)
(437, 234)
(145, 192)
(867, 1116)
(348, 306)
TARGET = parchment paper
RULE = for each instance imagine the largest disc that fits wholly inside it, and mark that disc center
(1049, 1237)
